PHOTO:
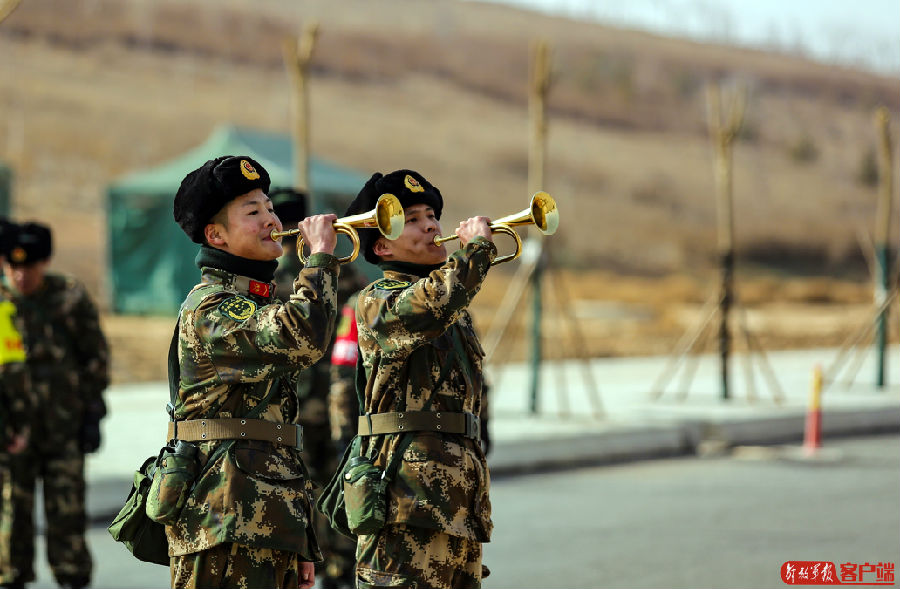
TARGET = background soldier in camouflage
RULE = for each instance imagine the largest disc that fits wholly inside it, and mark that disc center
(67, 370)
(313, 385)
(420, 353)
(246, 522)
(343, 404)
(13, 389)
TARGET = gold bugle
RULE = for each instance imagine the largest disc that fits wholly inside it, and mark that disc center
(541, 212)
(387, 217)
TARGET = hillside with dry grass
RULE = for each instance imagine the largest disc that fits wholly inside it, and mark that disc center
(94, 89)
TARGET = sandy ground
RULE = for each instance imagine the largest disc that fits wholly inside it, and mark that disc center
(603, 315)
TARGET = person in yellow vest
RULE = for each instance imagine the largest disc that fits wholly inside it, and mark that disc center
(67, 367)
(12, 381)
(14, 407)
(12, 355)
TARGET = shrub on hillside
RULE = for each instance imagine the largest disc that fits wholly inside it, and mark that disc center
(804, 150)
(867, 175)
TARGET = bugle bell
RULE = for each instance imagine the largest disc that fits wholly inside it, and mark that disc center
(542, 213)
(387, 217)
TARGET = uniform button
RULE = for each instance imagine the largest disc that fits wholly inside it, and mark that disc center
(203, 423)
(278, 427)
(279, 438)
(243, 422)
(243, 434)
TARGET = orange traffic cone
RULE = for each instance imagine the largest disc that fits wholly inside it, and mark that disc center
(812, 439)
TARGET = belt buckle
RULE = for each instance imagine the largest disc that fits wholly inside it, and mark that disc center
(473, 426)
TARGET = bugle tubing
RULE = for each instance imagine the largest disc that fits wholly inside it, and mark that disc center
(541, 212)
(387, 217)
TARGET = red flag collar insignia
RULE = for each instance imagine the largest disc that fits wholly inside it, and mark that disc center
(263, 289)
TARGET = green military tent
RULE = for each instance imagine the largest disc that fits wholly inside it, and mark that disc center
(151, 261)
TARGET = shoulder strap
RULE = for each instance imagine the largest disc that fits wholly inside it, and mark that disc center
(360, 381)
(174, 374)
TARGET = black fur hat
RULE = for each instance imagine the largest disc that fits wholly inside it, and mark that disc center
(8, 231)
(410, 188)
(32, 242)
(210, 187)
(289, 204)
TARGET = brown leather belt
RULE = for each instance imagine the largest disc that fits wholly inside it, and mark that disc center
(202, 430)
(467, 424)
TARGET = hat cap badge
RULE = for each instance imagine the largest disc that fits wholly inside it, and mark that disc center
(18, 255)
(249, 171)
(412, 184)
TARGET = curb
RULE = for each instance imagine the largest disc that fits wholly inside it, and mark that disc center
(622, 444)
(790, 428)
(689, 437)
(509, 458)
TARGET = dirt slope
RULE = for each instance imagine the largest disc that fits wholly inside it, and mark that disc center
(94, 89)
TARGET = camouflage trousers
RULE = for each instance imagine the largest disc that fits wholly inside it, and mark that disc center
(235, 565)
(321, 458)
(62, 475)
(5, 496)
(408, 556)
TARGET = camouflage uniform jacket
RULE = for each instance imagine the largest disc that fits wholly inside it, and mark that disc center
(67, 359)
(407, 326)
(313, 384)
(234, 346)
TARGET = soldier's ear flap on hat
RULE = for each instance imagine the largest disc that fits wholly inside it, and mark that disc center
(194, 200)
(8, 231)
(364, 202)
(366, 197)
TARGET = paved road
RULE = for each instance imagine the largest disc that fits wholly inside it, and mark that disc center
(721, 522)
(729, 521)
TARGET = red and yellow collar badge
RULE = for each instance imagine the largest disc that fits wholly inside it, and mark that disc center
(262, 289)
